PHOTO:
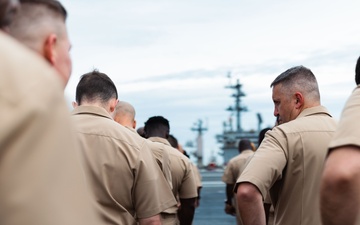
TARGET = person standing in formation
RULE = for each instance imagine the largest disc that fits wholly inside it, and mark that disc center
(340, 189)
(41, 179)
(125, 115)
(290, 160)
(127, 185)
(40, 25)
(157, 129)
(233, 170)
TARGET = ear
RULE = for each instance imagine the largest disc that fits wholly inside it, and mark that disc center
(49, 48)
(113, 103)
(74, 104)
(299, 100)
(134, 124)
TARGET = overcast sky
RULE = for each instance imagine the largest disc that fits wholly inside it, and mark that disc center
(171, 58)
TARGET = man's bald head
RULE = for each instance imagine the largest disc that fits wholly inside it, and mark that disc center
(125, 114)
(40, 25)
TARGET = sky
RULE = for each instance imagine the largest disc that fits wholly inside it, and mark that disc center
(172, 58)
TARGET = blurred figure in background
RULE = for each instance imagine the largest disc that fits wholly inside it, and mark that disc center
(232, 171)
(175, 144)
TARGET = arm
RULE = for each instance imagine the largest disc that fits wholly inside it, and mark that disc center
(340, 187)
(229, 208)
(267, 211)
(197, 201)
(186, 211)
(250, 204)
(153, 220)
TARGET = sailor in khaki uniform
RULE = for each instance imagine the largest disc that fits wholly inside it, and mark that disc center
(340, 190)
(232, 171)
(40, 25)
(183, 179)
(40, 175)
(125, 116)
(41, 180)
(125, 181)
(290, 159)
(175, 144)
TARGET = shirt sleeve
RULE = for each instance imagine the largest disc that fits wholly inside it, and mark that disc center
(348, 130)
(152, 193)
(268, 162)
(228, 175)
(188, 187)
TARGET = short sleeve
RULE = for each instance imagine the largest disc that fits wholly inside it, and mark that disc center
(268, 162)
(348, 130)
(228, 175)
(188, 187)
(152, 193)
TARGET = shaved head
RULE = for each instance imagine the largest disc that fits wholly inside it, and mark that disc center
(40, 25)
(125, 114)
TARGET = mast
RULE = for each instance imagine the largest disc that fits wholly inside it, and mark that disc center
(237, 108)
(199, 128)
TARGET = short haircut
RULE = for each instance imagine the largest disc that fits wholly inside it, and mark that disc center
(125, 109)
(36, 19)
(156, 123)
(299, 78)
(357, 72)
(141, 132)
(95, 86)
(262, 135)
(244, 144)
(173, 141)
(8, 11)
(52, 5)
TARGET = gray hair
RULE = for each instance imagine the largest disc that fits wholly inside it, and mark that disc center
(300, 79)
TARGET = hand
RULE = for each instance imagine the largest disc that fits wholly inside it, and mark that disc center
(229, 209)
(197, 202)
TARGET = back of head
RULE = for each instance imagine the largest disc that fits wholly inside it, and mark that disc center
(157, 126)
(95, 87)
(299, 79)
(262, 135)
(244, 144)
(8, 9)
(141, 131)
(36, 20)
(40, 25)
(173, 141)
(357, 72)
(125, 114)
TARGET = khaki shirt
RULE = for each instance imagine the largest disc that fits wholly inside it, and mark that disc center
(41, 181)
(348, 130)
(125, 181)
(290, 162)
(183, 178)
(197, 175)
(162, 156)
(235, 167)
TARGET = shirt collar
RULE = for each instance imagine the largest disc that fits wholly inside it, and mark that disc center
(247, 151)
(159, 139)
(95, 110)
(314, 110)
